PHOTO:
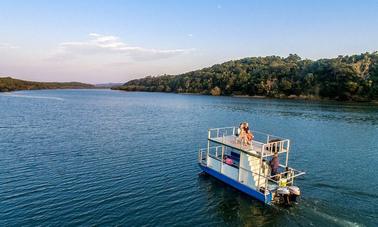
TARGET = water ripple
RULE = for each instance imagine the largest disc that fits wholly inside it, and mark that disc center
(96, 157)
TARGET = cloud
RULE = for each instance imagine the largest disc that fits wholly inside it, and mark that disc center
(106, 44)
(8, 46)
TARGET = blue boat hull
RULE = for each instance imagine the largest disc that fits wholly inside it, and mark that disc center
(241, 187)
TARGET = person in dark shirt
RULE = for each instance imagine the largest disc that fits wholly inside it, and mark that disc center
(274, 164)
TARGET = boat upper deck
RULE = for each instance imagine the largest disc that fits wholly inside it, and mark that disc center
(263, 144)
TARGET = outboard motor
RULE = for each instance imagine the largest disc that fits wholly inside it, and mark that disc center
(284, 194)
(283, 191)
(294, 193)
(288, 194)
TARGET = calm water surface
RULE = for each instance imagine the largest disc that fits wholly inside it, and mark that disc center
(101, 157)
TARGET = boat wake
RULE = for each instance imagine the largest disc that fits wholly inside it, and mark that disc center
(32, 96)
(346, 190)
(315, 208)
(336, 220)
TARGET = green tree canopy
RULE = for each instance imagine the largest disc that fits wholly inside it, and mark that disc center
(343, 78)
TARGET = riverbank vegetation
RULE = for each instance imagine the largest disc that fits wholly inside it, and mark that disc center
(10, 84)
(343, 78)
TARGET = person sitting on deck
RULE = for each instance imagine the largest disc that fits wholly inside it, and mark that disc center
(238, 131)
(242, 135)
(274, 164)
(249, 135)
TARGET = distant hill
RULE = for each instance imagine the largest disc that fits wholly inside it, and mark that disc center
(343, 78)
(108, 85)
(10, 84)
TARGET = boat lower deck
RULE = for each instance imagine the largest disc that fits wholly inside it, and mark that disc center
(265, 198)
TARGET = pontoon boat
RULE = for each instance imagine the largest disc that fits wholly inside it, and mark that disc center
(246, 167)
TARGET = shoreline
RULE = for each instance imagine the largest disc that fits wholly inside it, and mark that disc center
(282, 97)
(39, 89)
(301, 98)
(9, 84)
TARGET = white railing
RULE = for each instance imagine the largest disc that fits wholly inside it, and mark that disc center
(220, 132)
(291, 174)
(229, 131)
(215, 152)
(202, 157)
(280, 146)
(269, 143)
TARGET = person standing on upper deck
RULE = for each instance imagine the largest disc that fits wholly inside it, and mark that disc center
(274, 164)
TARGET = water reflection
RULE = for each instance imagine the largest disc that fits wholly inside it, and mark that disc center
(366, 113)
(236, 208)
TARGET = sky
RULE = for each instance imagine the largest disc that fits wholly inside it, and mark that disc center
(116, 41)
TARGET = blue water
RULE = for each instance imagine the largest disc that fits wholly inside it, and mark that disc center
(101, 157)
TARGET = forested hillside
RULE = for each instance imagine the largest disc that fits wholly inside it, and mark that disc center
(10, 84)
(343, 78)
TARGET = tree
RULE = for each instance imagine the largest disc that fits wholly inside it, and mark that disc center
(344, 77)
(216, 91)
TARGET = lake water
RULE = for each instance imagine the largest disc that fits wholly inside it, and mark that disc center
(101, 157)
